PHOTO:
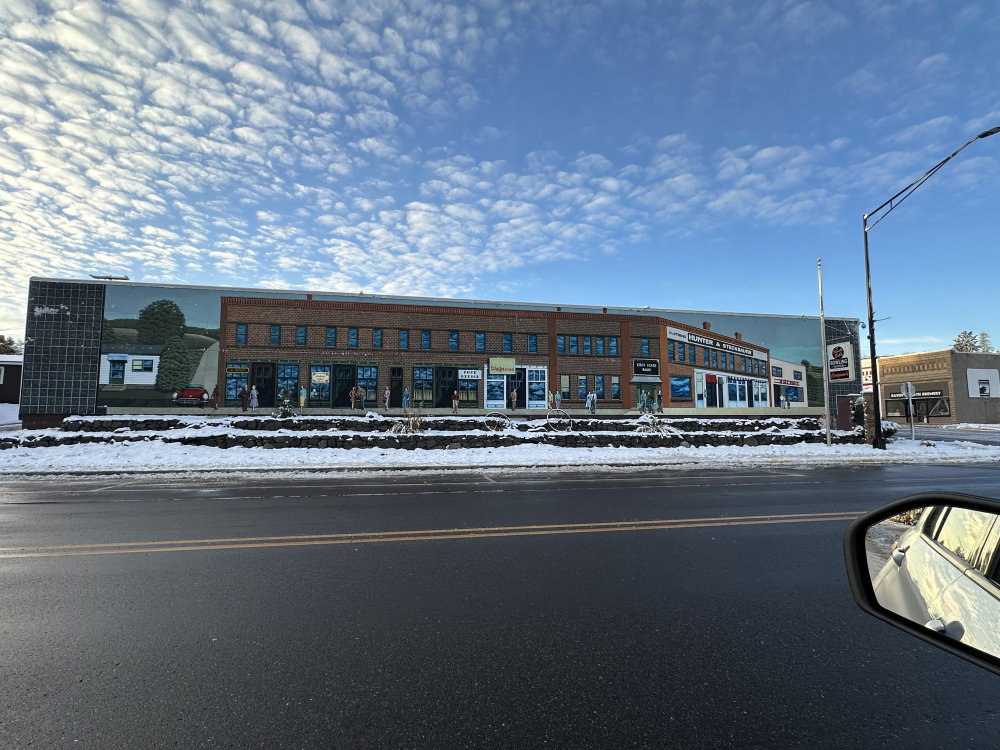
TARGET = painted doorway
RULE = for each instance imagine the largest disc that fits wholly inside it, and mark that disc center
(117, 376)
(396, 387)
(445, 381)
(343, 381)
(263, 377)
(517, 382)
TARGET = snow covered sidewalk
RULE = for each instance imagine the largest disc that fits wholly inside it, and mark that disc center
(8, 415)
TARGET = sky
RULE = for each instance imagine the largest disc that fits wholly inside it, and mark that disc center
(695, 155)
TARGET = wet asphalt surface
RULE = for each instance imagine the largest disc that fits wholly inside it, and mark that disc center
(727, 635)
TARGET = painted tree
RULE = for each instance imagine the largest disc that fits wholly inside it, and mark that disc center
(966, 341)
(108, 335)
(985, 345)
(159, 322)
(175, 368)
(814, 383)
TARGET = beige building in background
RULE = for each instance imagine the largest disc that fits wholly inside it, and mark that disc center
(951, 387)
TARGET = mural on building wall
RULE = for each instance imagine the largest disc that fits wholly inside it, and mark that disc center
(791, 339)
(184, 321)
(180, 325)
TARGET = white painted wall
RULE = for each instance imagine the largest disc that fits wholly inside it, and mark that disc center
(131, 377)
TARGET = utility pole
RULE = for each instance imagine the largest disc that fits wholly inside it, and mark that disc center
(878, 440)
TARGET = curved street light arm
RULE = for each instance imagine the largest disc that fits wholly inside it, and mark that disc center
(905, 193)
(878, 441)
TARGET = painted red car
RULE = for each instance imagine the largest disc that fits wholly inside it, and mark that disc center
(191, 395)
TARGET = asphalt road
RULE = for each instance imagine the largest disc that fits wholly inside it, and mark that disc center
(948, 434)
(667, 609)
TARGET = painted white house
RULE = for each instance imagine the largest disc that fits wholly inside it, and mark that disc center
(130, 364)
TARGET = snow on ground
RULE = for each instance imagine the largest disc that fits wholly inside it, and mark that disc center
(152, 455)
(8, 413)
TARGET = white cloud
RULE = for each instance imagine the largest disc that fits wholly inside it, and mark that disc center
(922, 133)
(304, 47)
(986, 122)
(933, 64)
(812, 19)
(257, 77)
(592, 164)
(190, 135)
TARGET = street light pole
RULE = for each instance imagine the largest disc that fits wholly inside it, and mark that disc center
(878, 441)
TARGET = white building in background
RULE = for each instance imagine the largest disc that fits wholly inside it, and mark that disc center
(866, 375)
(10, 377)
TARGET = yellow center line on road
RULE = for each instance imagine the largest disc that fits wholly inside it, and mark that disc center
(189, 545)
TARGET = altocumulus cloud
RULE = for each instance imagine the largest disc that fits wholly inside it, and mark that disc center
(337, 146)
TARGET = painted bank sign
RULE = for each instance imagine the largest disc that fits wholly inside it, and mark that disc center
(646, 367)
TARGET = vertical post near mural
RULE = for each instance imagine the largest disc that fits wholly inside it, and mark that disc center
(826, 357)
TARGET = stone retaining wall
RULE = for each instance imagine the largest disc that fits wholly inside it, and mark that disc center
(375, 432)
(380, 423)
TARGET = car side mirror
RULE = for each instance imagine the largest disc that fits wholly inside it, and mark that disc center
(929, 564)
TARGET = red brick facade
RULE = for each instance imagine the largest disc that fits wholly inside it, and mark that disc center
(611, 343)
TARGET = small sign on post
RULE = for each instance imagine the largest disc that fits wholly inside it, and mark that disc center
(909, 391)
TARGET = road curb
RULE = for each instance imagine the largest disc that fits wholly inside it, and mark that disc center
(534, 469)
